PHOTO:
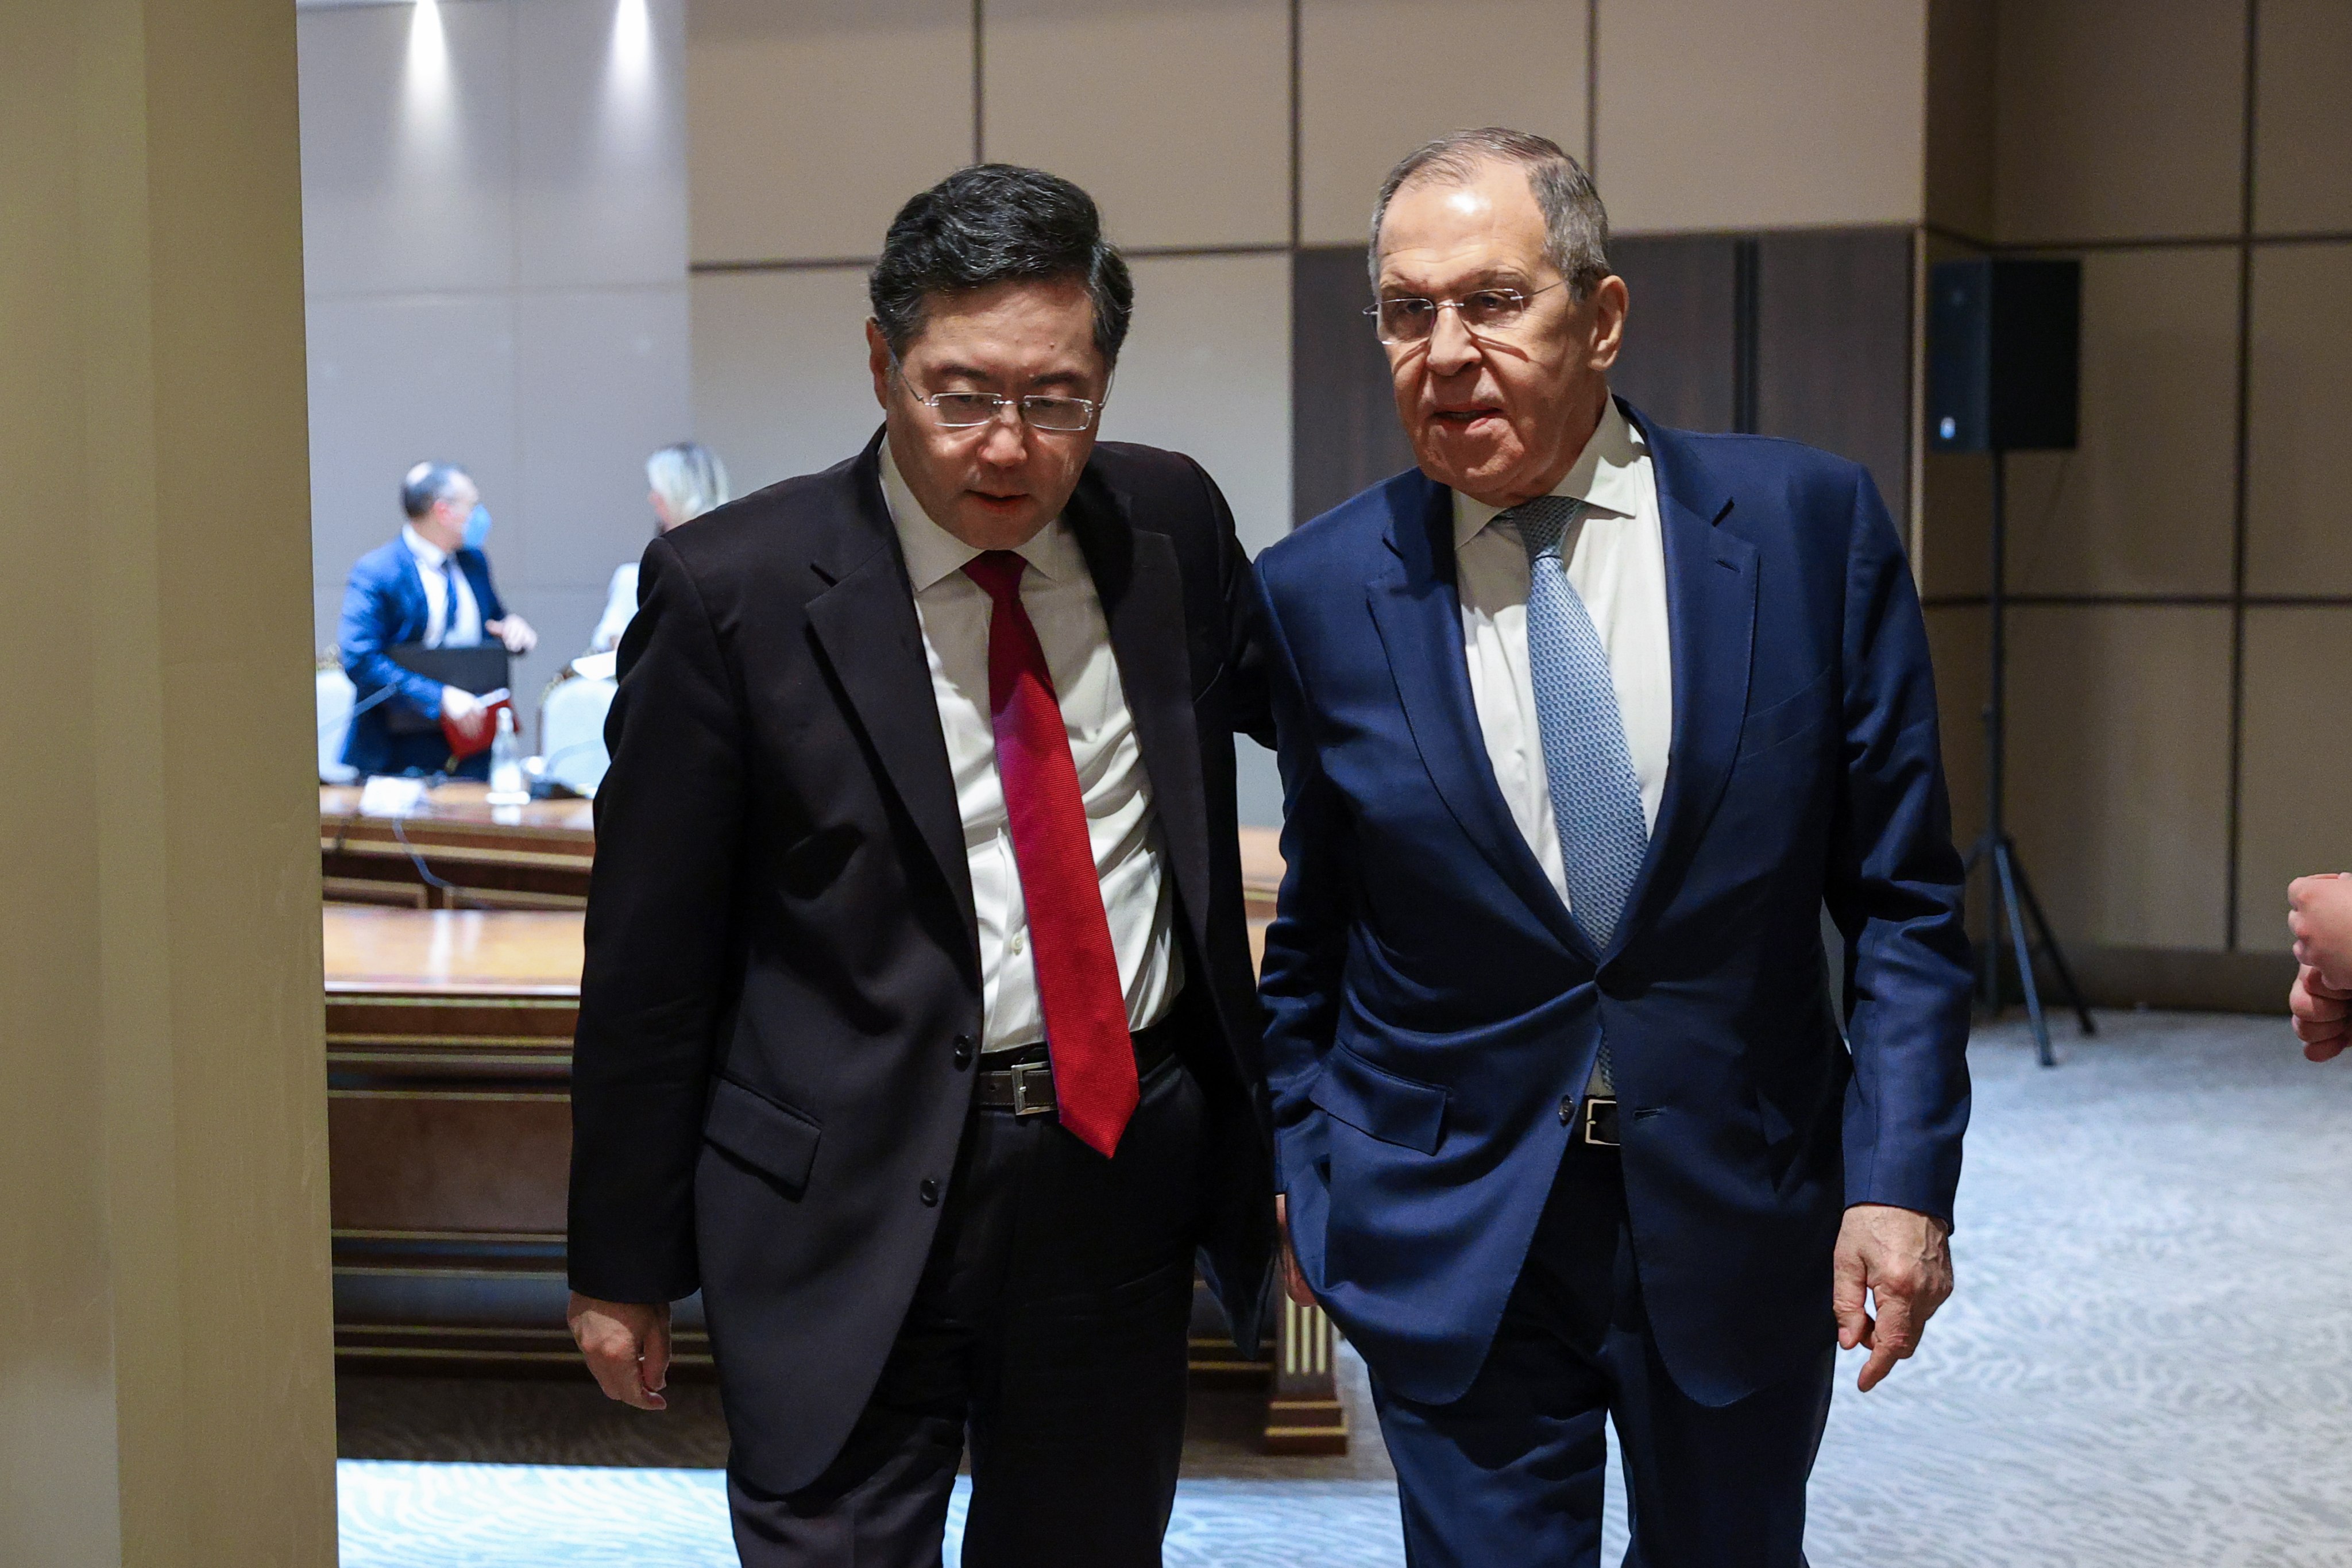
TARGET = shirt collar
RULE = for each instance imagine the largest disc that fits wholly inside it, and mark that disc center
(1606, 477)
(424, 549)
(933, 554)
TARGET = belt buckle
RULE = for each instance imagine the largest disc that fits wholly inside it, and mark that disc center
(1593, 1106)
(1021, 1076)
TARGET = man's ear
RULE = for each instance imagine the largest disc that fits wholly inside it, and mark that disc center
(1609, 303)
(878, 360)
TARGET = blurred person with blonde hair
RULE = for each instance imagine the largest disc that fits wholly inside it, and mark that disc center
(687, 479)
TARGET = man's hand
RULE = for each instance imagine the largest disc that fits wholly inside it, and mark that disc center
(513, 631)
(1293, 1283)
(627, 1347)
(2320, 916)
(1904, 1259)
(457, 705)
(2323, 1014)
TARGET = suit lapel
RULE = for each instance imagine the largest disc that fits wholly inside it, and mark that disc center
(866, 623)
(1141, 587)
(1711, 628)
(416, 611)
(1417, 608)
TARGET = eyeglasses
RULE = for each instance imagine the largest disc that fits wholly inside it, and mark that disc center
(1410, 319)
(969, 410)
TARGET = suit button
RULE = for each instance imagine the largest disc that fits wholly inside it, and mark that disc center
(963, 1050)
(930, 1193)
(1568, 1111)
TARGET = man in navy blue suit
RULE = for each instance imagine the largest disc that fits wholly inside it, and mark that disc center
(431, 586)
(1583, 723)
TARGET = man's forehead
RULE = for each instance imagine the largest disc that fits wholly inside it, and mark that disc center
(1459, 229)
(1019, 329)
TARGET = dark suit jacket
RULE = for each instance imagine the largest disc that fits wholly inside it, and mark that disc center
(1432, 1006)
(782, 988)
(383, 606)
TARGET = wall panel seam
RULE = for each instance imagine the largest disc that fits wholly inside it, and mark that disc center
(2241, 438)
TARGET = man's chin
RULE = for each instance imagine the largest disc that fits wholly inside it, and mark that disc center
(994, 527)
(1464, 462)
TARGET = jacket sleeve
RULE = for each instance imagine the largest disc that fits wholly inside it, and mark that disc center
(1894, 887)
(362, 634)
(1245, 683)
(1307, 944)
(661, 971)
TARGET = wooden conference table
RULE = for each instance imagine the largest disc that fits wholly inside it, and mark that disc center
(452, 992)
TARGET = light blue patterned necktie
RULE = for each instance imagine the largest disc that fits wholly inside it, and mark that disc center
(1596, 801)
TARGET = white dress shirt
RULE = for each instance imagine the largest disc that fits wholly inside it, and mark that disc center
(433, 566)
(620, 609)
(1122, 824)
(1617, 563)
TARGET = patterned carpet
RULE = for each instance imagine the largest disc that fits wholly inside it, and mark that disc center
(2149, 1363)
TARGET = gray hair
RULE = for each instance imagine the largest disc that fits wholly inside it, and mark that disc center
(1576, 225)
(427, 483)
(689, 476)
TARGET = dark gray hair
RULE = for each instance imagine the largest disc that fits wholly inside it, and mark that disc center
(998, 223)
(426, 483)
(1576, 225)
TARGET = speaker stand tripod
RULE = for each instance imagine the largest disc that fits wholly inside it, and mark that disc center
(2009, 894)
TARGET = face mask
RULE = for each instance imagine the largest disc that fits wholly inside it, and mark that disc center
(477, 526)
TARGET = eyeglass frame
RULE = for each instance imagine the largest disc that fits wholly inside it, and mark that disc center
(1093, 405)
(1523, 296)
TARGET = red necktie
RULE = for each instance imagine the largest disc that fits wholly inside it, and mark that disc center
(1078, 973)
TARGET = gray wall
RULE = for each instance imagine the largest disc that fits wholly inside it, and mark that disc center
(496, 267)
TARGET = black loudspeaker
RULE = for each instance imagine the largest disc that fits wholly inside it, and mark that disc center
(2004, 351)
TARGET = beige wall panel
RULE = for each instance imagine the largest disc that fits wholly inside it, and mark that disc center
(600, 144)
(1206, 370)
(2299, 459)
(2303, 117)
(2295, 789)
(2119, 770)
(1372, 88)
(809, 123)
(2145, 504)
(408, 162)
(167, 1395)
(1960, 70)
(2119, 121)
(779, 381)
(1728, 114)
(1175, 114)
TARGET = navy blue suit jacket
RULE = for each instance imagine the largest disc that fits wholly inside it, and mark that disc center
(383, 606)
(1433, 1008)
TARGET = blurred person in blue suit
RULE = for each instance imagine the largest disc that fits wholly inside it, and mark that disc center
(1582, 725)
(407, 592)
(687, 479)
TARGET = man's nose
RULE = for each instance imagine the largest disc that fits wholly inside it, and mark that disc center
(1452, 349)
(1005, 444)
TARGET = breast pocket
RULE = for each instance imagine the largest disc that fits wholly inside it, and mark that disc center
(1791, 719)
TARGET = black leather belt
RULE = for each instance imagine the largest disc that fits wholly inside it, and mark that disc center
(1596, 1124)
(1022, 1083)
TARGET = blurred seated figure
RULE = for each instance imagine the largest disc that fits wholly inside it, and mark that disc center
(334, 719)
(571, 723)
(429, 587)
(688, 480)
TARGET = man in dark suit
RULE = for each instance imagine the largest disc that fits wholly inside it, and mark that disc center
(917, 1029)
(431, 586)
(1581, 724)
